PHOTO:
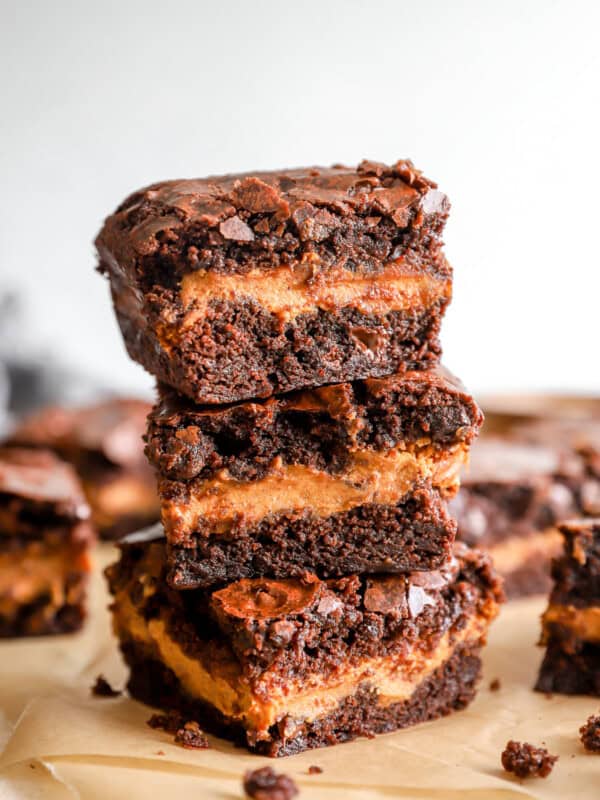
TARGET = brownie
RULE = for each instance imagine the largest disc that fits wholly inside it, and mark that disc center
(45, 536)
(346, 478)
(571, 623)
(514, 493)
(275, 648)
(241, 286)
(104, 443)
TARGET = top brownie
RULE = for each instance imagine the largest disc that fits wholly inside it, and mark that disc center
(243, 286)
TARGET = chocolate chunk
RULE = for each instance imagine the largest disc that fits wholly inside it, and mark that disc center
(314, 770)
(386, 595)
(495, 685)
(191, 737)
(266, 784)
(236, 229)
(266, 599)
(257, 196)
(102, 688)
(526, 761)
(590, 734)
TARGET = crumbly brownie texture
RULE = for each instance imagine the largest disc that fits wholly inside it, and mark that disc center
(191, 736)
(320, 429)
(104, 444)
(590, 734)
(265, 784)
(571, 623)
(274, 639)
(246, 286)
(45, 536)
(415, 534)
(526, 761)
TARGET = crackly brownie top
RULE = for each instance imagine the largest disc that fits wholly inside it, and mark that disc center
(314, 427)
(41, 477)
(278, 213)
(113, 429)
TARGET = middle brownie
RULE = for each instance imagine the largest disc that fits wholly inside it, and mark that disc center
(345, 478)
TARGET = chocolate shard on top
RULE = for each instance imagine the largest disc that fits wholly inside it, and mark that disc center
(240, 286)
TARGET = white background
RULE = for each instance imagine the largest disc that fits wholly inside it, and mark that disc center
(497, 101)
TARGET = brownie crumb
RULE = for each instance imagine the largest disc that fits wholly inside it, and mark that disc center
(102, 688)
(265, 784)
(590, 734)
(527, 761)
(191, 737)
(170, 723)
(495, 685)
(313, 770)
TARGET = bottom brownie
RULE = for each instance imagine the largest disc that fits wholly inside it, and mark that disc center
(286, 665)
(449, 688)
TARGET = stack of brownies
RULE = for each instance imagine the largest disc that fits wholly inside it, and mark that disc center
(306, 588)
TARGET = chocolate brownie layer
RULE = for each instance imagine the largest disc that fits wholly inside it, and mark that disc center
(451, 687)
(341, 479)
(571, 623)
(318, 428)
(45, 537)
(104, 444)
(415, 534)
(285, 659)
(250, 285)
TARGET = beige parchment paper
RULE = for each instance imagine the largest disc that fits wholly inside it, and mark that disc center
(61, 743)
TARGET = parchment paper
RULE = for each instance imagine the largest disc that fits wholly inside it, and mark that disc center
(62, 743)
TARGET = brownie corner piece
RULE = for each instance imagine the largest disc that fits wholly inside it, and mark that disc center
(45, 536)
(241, 286)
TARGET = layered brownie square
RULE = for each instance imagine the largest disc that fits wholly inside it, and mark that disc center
(510, 500)
(346, 478)
(286, 665)
(241, 286)
(104, 443)
(45, 535)
(571, 623)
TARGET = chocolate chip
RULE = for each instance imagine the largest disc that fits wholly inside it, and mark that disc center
(234, 228)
